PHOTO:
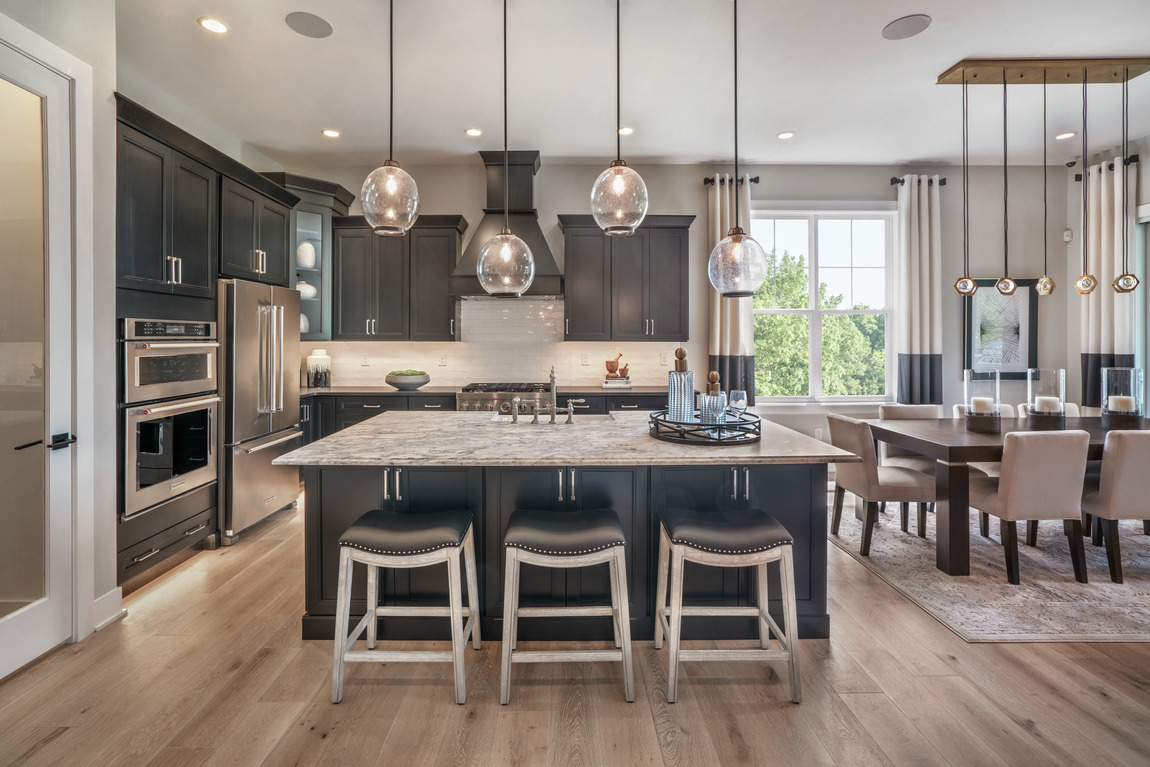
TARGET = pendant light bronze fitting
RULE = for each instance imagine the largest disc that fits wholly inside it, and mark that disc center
(965, 285)
(1085, 284)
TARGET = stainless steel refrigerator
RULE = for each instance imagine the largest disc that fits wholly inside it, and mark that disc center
(259, 377)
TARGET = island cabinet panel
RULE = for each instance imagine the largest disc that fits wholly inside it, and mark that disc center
(623, 489)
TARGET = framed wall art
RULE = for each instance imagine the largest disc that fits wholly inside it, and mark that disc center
(1001, 332)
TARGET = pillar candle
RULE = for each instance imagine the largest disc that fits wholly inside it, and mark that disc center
(1120, 404)
(1047, 405)
(983, 405)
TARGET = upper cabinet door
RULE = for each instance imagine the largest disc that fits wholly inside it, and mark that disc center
(432, 307)
(142, 199)
(666, 285)
(353, 294)
(390, 313)
(195, 229)
(629, 318)
(587, 285)
(239, 231)
(274, 235)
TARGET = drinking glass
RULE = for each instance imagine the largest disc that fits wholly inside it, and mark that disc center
(738, 401)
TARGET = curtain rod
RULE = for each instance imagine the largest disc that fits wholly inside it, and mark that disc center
(929, 182)
(1131, 159)
(711, 181)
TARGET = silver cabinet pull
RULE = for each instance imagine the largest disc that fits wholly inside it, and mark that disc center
(398, 496)
(367, 327)
(170, 277)
(180, 263)
(432, 406)
(572, 484)
(372, 407)
(373, 327)
(146, 555)
(735, 480)
(627, 407)
(306, 413)
(453, 328)
(652, 327)
(194, 530)
(560, 484)
(386, 486)
(746, 484)
(567, 326)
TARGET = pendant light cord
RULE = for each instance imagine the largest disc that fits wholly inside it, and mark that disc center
(391, 80)
(1125, 166)
(1085, 185)
(736, 59)
(1005, 189)
(965, 179)
(618, 88)
(506, 174)
(1045, 271)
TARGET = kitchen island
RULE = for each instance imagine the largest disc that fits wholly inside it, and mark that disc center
(427, 461)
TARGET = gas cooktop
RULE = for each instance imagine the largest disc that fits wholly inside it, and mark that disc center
(507, 387)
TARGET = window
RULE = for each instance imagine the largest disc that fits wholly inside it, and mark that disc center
(822, 322)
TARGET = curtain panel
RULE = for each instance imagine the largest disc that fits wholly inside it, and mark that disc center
(917, 300)
(732, 332)
(1107, 318)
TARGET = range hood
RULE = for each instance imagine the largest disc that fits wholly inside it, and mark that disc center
(523, 220)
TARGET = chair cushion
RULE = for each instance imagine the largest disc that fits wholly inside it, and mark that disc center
(984, 494)
(918, 463)
(395, 532)
(564, 532)
(742, 531)
(898, 484)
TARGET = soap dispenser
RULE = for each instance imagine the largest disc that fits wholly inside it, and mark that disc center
(681, 390)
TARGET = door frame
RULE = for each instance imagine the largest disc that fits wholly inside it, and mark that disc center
(87, 335)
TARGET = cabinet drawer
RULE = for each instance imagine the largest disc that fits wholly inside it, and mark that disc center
(438, 402)
(370, 405)
(162, 516)
(646, 402)
(159, 547)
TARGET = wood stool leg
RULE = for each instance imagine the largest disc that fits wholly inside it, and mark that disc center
(761, 587)
(868, 527)
(904, 515)
(1010, 546)
(922, 519)
(1077, 549)
(1032, 532)
(372, 604)
(510, 606)
(472, 586)
(791, 620)
(458, 640)
(342, 608)
(676, 623)
(838, 511)
(619, 590)
(615, 597)
(661, 585)
(515, 614)
(1113, 550)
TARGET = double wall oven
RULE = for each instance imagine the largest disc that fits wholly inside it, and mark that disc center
(170, 408)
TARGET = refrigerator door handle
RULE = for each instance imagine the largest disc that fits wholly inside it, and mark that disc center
(280, 312)
(273, 373)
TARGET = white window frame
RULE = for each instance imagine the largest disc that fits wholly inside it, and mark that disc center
(813, 213)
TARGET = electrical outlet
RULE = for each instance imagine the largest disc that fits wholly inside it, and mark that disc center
(585, 358)
(663, 359)
(365, 363)
(818, 433)
(443, 360)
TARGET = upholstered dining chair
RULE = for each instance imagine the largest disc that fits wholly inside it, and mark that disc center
(1042, 478)
(1070, 409)
(989, 468)
(1122, 491)
(893, 455)
(871, 482)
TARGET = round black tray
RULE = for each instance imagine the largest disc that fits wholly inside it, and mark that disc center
(738, 430)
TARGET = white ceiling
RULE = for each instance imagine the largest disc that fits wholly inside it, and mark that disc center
(818, 67)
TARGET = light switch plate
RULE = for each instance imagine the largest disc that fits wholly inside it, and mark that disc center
(585, 358)
(1067, 235)
(365, 363)
(443, 360)
(663, 359)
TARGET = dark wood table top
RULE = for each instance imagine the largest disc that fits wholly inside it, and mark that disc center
(946, 439)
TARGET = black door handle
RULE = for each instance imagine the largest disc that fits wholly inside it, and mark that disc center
(28, 445)
(60, 441)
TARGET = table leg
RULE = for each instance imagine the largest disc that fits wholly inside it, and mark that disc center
(952, 518)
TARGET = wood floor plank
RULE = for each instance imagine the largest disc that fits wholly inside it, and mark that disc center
(253, 734)
(838, 667)
(896, 735)
(683, 738)
(469, 730)
(521, 737)
(627, 729)
(428, 690)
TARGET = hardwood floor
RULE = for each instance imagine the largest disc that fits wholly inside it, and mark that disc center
(208, 668)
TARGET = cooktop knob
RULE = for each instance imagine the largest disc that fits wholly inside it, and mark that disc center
(504, 407)
(489, 406)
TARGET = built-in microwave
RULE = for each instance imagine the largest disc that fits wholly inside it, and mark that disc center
(169, 449)
(164, 359)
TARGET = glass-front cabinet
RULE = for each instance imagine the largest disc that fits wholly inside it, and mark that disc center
(311, 249)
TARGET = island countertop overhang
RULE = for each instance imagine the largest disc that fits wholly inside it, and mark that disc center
(474, 439)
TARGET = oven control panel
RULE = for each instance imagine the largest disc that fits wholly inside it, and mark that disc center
(141, 329)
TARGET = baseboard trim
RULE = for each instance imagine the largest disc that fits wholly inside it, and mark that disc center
(109, 608)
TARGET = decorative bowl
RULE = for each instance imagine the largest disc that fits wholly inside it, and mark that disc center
(407, 383)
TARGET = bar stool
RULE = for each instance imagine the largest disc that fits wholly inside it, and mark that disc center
(748, 537)
(565, 540)
(405, 540)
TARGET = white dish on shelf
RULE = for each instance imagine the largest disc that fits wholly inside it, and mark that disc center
(305, 255)
(306, 290)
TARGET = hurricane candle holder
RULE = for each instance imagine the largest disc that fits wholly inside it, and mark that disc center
(981, 393)
(1046, 398)
(1121, 398)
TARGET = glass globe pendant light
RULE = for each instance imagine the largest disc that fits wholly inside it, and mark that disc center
(1125, 282)
(1005, 285)
(506, 267)
(619, 196)
(1045, 285)
(737, 266)
(1087, 282)
(965, 285)
(389, 197)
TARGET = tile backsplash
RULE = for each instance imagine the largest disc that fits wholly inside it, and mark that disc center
(502, 340)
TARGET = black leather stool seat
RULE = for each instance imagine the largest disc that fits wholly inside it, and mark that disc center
(744, 531)
(395, 532)
(564, 532)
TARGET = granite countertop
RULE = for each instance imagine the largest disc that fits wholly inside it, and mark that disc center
(384, 389)
(412, 439)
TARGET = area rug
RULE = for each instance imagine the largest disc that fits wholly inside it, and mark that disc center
(1048, 606)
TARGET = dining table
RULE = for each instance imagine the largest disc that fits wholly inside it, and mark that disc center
(953, 449)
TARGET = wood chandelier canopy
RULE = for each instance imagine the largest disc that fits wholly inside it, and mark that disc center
(1029, 71)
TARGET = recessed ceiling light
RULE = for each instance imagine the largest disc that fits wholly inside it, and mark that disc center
(907, 26)
(787, 134)
(308, 24)
(473, 132)
(331, 133)
(212, 25)
(1066, 135)
(626, 131)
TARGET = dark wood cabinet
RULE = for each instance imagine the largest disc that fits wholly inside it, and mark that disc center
(167, 218)
(352, 410)
(395, 288)
(626, 288)
(254, 235)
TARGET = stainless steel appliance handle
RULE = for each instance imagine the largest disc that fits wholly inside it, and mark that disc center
(398, 496)
(386, 486)
(280, 311)
(746, 484)
(266, 445)
(273, 373)
(180, 263)
(178, 406)
(165, 345)
(735, 480)
(572, 485)
(561, 484)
